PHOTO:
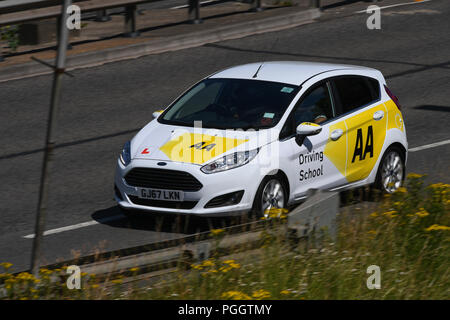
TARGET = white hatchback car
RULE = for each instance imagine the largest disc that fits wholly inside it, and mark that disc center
(259, 136)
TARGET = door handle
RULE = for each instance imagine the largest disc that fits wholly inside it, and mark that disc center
(336, 134)
(378, 115)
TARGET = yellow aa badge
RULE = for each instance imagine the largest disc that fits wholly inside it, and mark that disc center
(198, 148)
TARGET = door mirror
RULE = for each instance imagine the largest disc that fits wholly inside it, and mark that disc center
(156, 114)
(306, 129)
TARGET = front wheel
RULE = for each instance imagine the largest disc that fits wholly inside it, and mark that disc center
(391, 171)
(271, 194)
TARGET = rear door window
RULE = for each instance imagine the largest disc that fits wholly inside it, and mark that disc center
(355, 91)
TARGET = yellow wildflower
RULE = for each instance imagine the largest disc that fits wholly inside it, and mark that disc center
(414, 176)
(436, 227)
(216, 232)
(390, 214)
(422, 213)
(235, 295)
(116, 281)
(196, 267)
(285, 292)
(276, 213)
(225, 269)
(228, 261)
(135, 269)
(6, 265)
(261, 294)
(24, 276)
(402, 190)
(208, 263)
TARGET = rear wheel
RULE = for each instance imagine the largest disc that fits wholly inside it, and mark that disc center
(271, 194)
(391, 171)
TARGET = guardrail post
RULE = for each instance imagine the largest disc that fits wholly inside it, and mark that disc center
(257, 6)
(315, 3)
(102, 16)
(130, 22)
(194, 12)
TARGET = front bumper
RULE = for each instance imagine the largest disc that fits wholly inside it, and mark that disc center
(245, 178)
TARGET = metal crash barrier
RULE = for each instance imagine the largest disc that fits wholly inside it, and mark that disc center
(14, 12)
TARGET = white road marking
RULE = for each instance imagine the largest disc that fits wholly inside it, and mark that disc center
(94, 222)
(428, 146)
(76, 226)
(396, 5)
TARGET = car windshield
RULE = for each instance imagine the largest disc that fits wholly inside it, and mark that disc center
(231, 104)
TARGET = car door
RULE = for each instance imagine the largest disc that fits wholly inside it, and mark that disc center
(365, 117)
(308, 165)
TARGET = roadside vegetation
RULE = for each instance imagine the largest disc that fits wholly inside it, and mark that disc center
(407, 237)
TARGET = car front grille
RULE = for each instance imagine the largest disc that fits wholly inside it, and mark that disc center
(162, 179)
(163, 204)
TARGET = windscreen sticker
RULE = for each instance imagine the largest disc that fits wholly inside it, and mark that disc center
(287, 89)
(269, 115)
(266, 121)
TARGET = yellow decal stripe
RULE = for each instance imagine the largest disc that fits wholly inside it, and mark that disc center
(336, 151)
(198, 148)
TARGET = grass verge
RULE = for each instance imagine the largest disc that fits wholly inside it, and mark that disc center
(407, 238)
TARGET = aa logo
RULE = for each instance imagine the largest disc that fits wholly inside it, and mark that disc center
(203, 145)
(361, 149)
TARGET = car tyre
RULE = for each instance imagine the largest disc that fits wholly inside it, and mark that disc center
(391, 171)
(270, 194)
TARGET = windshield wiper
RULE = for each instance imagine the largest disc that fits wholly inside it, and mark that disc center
(255, 127)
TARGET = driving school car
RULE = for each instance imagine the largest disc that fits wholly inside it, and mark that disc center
(259, 136)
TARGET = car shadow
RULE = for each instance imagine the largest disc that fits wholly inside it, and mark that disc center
(433, 108)
(165, 222)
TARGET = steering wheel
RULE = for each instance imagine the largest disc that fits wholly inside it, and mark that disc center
(220, 108)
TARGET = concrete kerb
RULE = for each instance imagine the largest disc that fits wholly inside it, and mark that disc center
(179, 42)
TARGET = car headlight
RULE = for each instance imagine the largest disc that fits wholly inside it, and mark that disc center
(125, 156)
(230, 161)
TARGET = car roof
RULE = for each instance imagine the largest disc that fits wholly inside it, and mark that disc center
(291, 72)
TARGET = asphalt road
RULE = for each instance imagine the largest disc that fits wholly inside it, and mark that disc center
(103, 107)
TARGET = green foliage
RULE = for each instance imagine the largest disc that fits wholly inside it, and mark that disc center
(11, 35)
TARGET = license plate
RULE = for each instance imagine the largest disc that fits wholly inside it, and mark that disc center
(159, 194)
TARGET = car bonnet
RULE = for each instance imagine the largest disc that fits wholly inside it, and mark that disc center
(195, 145)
